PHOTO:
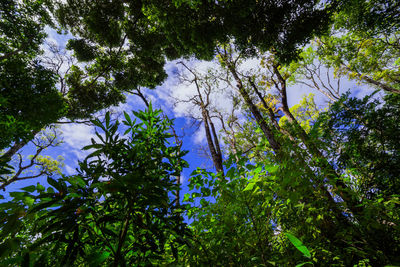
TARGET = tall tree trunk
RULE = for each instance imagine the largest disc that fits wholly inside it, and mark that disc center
(121, 239)
(270, 112)
(254, 110)
(211, 136)
(213, 145)
(322, 162)
(217, 145)
(179, 143)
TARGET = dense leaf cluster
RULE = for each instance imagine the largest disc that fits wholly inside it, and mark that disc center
(293, 186)
(117, 210)
(29, 99)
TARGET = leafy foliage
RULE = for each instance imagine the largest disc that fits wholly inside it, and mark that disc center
(21, 76)
(261, 211)
(302, 186)
(362, 135)
(118, 209)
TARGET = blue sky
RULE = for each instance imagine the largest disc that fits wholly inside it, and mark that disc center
(169, 97)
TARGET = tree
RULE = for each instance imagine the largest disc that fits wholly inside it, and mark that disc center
(29, 99)
(178, 28)
(362, 134)
(239, 230)
(36, 165)
(117, 210)
(374, 17)
(370, 60)
(363, 43)
(253, 215)
(113, 64)
(53, 93)
(311, 72)
(205, 85)
(304, 186)
(22, 76)
(26, 21)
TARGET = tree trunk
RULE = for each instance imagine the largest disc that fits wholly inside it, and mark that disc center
(254, 110)
(213, 145)
(322, 162)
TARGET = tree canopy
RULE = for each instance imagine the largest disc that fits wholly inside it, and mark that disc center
(23, 77)
(294, 181)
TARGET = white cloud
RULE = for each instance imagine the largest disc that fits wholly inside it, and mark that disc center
(173, 95)
(199, 136)
(70, 170)
(77, 135)
(56, 38)
(183, 178)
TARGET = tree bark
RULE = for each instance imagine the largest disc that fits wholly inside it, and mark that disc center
(322, 162)
(369, 80)
(213, 145)
(121, 240)
(254, 110)
(383, 86)
(211, 136)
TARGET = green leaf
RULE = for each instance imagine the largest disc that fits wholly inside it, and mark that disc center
(77, 181)
(95, 154)
(15, 261)
(250, 167)
(205, 191)
(128, 119)
(97, 258)
(30, 188)
(271, 168)
(304, 263)
(258, 170)
(28, 201)
(40, 188)
(298, 244)
(186, 197)
(5, 248)
(17, 195)
(54, 183)
(107, 119)
(249, 186)
(9, 227)
(230, 173)
(92, 146)
(98, 123)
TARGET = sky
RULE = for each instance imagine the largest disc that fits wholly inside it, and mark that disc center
(170, 97)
